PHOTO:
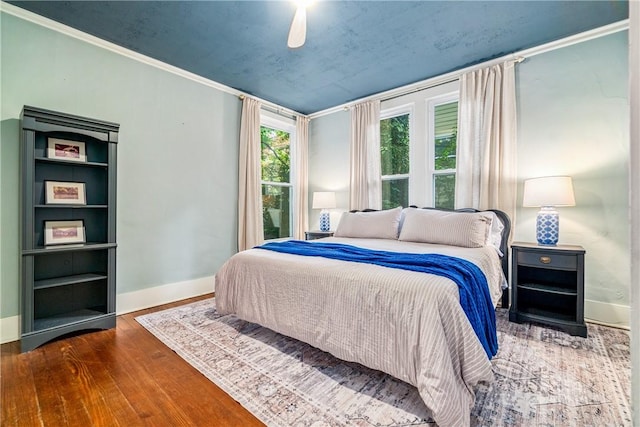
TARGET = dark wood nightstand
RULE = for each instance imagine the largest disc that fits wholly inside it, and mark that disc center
(548, 286)
(313, 235)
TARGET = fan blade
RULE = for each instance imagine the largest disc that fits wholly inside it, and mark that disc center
(298, 31)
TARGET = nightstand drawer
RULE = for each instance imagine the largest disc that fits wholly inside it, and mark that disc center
(547, 260)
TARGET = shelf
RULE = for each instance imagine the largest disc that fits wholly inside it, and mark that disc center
(67, 288)
(71, 162)
(59, 206)
(68, 318)
(41, 250)
(546, 316)
(67, 280)
(548, 288)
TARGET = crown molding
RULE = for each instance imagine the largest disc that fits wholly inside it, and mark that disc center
(112, 47)
(413, 87)
(454, 75)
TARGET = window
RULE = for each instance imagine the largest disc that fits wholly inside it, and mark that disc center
(394, 153)
(277, 188)
(418, 141)
(444, 138)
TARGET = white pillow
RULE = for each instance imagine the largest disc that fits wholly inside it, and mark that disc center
(466, 229)
(497, 227)
(371, 225)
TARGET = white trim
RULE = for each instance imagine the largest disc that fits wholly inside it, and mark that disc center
(163, 294)
(287, 125)
(130, 301)
(454, 75)
(608, 314)
(9, 329)
(400, 110)
(112, 47)
(424, 84)
(634, 211)
(396, 177)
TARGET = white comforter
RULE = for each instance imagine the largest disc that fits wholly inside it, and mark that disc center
(407, 324)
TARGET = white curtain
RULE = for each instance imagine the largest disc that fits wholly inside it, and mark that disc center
(302, 188)
(365, 179)
(250, 227)
(486, 148)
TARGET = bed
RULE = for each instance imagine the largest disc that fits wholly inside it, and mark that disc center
(407, 323)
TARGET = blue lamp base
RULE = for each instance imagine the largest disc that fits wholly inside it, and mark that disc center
(547, 226)
(325, 224)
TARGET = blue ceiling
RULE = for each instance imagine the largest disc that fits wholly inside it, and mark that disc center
(353, 49)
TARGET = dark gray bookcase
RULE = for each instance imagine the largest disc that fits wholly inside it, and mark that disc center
(67, 287)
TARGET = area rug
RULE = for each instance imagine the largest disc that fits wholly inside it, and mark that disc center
(543, 377)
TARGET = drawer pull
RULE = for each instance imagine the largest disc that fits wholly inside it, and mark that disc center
(545, 259)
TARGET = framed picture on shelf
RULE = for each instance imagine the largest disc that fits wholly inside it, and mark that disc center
(63, 232)
(65, 193)
(63, 149)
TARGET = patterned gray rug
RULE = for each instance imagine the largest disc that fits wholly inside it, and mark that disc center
(543, 377)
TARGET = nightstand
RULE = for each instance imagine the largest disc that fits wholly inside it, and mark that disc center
(313, 235)
(548, 286)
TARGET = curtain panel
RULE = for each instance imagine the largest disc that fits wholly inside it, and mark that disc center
(365, 171)
(486, 147)
(250, 226)
(301, 208)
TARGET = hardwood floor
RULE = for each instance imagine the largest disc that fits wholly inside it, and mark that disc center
(119, 377)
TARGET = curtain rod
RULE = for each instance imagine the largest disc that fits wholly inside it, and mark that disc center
(431, 83)
(454, 75)
(438, 83)
(266, 105)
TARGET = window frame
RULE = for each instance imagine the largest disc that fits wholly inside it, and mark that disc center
(389, 113)
(289, 126)
(431, 104)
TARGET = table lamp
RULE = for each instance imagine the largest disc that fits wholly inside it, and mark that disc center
(324, 200)
(547, 193)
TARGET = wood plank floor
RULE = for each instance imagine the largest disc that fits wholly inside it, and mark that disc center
(119, 377)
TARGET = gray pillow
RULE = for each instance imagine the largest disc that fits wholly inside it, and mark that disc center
(466, 229)
(372, 225)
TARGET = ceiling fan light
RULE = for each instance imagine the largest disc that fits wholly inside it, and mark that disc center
(303, 3)
(298, 31)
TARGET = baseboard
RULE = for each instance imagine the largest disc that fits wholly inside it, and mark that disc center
(9, 329)
(608, 314)
(130, 301)
(158, 295)
(615, 315)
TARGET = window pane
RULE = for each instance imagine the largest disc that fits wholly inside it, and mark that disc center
(395, 192)
(394, 145)
(446, 134)
(276, 211)
(444, 190)
(275, 155)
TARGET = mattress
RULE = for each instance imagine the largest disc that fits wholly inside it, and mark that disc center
(405, 323)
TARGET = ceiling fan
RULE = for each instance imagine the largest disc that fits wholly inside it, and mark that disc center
(298, 30)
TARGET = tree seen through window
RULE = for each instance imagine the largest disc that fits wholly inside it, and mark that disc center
(276, 182)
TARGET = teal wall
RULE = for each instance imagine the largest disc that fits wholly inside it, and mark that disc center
(177, 167)
(573, 119)
(177, 156)
(329, 160)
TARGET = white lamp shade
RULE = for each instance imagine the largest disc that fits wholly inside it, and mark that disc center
(548, 191)
(324, 200)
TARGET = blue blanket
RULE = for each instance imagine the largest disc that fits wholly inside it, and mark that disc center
(475, 297)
